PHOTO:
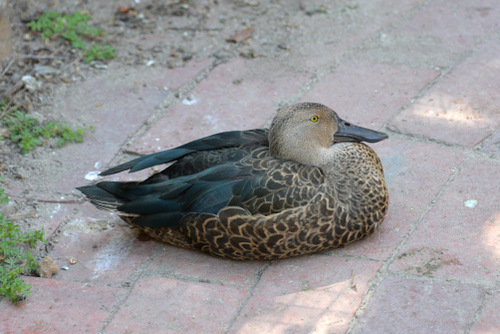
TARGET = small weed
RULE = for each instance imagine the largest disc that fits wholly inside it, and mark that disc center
(69, 27)
(99, 52)
(28, 133)
(73, 28)
(15, 260)
(3, 198)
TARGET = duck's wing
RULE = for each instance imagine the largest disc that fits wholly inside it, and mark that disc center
(258, 184)
(274, 185)
(204, 151)
(200, 160)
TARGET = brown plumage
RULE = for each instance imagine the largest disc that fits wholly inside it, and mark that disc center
(306, 184)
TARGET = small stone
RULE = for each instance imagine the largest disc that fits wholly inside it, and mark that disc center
(31, 83)
(470, 203)
(190, 100)
(100, 66)
(72, 260)
(47, 268)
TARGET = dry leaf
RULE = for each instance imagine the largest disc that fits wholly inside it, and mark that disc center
(124, 10)
(240, 36)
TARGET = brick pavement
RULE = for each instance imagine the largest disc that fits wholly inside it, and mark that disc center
(426, 72)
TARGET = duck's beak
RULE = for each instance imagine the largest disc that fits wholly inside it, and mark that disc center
(348, 132)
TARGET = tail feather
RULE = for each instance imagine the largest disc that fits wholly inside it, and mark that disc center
(102, 198)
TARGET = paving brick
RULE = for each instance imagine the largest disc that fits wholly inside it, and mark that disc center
(106, 250)
(489, 322)
(196, 265)
(166, 305)
(342, 27)
(402, 305)
(369, 94)
(59, 307)
(462, 108)
(460, 236)
(406, 163)
(304, 295)
(437, 33)
(235, 96)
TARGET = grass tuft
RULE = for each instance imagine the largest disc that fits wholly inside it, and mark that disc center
(28, 133)
(14, 259)
(74, 29)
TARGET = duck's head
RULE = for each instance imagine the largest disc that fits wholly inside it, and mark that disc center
(306, 132)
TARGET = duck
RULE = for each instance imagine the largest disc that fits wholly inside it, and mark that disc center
(306, 184)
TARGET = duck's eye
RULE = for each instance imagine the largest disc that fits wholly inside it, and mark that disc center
(314, 119)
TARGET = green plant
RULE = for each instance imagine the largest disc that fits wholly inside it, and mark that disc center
(14, 260)
(72, 28)
(100, 52)
(24, 131)
(3, 198)
(27, 132)
(69, 27)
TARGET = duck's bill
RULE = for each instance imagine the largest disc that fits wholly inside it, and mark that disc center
(348, 132)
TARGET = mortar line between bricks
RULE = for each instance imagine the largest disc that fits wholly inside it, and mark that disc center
(489, 295)
(248, 297)
(444, 279)
(384, 271)
(133, 278)
(190, 278)
(469, 151)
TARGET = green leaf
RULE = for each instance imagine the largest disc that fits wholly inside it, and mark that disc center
(15, 260)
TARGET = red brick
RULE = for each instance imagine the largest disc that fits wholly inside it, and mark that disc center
(462, 108)
(59, 307)
(167, 305)
(308, 294)
(402, 305)
(457, 241)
